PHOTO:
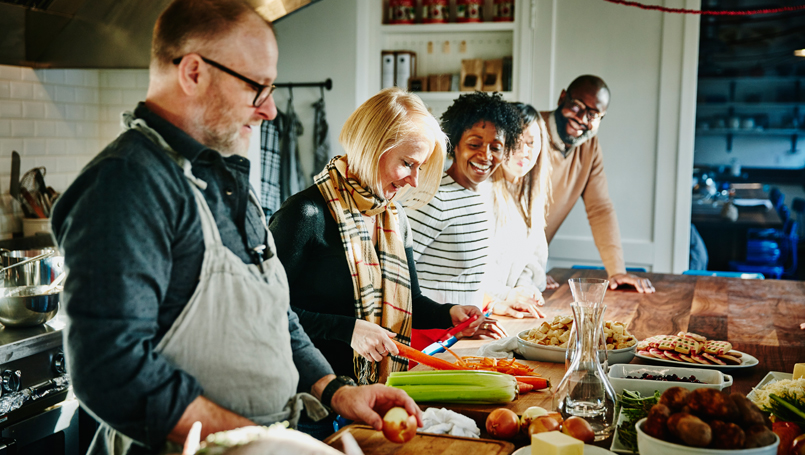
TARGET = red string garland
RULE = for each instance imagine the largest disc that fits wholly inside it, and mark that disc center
(784, 9)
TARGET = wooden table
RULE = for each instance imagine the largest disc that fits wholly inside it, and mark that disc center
(759, 317)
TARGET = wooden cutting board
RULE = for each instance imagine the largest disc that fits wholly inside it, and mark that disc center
(373, 442)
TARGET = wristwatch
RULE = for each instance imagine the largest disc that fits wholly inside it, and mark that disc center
(335, 384)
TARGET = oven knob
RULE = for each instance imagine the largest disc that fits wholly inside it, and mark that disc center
(59, 366)
(12, 381)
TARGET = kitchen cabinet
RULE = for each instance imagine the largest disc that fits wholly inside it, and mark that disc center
(440, 48)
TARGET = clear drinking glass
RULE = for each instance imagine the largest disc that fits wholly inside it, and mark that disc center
(585, 390)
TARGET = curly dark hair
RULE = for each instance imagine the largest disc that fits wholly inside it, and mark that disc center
(472, 108)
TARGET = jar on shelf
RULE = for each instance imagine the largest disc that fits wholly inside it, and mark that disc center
(504, 11)
(435, 11)
(469, 10)
(401, 11)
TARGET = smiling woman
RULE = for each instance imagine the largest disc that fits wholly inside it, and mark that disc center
(451, 233)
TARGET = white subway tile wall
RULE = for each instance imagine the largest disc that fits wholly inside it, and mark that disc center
(59, 119)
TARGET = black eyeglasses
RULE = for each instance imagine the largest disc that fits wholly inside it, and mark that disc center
(577, 107)
(262, 93)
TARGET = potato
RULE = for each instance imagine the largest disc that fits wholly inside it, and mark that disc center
(727, 435)
(692, 430)
(750, 414)
(657, 422)
(675, 398)
(758, 436)
(712, 404)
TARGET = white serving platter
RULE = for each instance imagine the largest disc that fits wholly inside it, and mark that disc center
(748, 361)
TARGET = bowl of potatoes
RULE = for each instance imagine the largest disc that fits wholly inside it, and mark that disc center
(548, 341)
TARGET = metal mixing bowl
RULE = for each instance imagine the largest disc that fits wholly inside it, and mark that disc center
(27, 306)
(35, 273)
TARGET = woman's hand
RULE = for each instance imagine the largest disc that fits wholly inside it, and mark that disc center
(371, 341)
(522, 301)
(550, 283)
(480, 328)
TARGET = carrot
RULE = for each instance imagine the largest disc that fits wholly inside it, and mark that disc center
(522, 387)
(417, 356)
(538, 383)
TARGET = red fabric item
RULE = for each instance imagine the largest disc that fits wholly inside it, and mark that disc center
(784, 9)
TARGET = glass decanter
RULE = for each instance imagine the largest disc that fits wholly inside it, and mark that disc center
(589, 291)
(585, 390)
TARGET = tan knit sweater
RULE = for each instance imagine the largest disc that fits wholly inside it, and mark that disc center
(581, 174)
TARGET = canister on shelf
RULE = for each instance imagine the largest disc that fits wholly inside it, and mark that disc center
(504, 11)
(435, 11)
(401, 12)
(469, 10)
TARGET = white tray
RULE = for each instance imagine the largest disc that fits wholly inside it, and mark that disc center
(748, 362)
(771, 376)
(617, 446)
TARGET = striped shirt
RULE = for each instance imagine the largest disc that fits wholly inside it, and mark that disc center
(451, 242)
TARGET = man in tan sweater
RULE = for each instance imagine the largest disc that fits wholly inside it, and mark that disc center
(578, 170)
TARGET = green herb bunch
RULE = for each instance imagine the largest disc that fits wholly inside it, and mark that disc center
(633, 407)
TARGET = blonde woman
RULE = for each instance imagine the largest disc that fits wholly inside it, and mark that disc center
(520, 189)
(346, 244)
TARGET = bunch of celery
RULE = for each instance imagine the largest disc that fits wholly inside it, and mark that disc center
(457, 386)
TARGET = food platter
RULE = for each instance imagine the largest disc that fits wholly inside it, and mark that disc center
(617, 445)
(588, 450)
(747, 361)
(771, 376)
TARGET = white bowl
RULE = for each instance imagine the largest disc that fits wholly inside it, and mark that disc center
(713, 379)
(650, 445)
(542, 353)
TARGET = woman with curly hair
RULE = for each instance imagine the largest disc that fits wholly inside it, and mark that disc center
(452, 232)
(346, 244)
(521, 191)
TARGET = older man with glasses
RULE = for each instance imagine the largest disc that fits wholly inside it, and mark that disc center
(578, 171)
(177, 305)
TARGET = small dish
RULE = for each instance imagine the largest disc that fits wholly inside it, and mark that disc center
(748, 361)
(617, 445)
(588, 450)
(771, 376)
(542, 353)
(617, 377)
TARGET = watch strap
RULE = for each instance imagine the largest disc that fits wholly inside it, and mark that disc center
(332, 387)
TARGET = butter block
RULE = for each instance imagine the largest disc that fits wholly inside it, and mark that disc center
(799, 370)
(555, 443)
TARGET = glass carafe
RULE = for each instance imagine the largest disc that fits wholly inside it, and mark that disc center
(589, 291)
(585, 390)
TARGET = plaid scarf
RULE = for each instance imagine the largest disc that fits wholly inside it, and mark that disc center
(380, 277)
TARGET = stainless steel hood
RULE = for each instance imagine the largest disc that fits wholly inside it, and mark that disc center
(92, 33)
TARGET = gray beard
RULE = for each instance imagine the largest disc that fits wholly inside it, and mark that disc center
(570, 141)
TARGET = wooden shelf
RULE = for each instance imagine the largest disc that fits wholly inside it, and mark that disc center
(752, 132)
(448, 28)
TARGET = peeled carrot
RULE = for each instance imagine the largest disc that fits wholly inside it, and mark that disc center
(433, 362)
(538, 383)
(522, 387)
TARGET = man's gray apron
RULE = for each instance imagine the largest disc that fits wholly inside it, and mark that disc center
(233, 333)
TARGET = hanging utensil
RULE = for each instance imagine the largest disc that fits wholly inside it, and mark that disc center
(15, 175)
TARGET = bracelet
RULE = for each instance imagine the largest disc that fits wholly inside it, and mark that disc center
(330, 389)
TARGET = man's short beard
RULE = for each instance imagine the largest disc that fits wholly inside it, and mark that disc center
(570, 141)
(214, 122)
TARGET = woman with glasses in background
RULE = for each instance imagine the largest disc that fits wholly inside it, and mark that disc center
(452, 232)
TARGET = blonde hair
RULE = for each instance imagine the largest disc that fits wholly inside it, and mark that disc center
(383, 122)
(532, 194)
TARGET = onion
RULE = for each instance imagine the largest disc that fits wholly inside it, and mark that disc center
(502, 423)
(398, 426)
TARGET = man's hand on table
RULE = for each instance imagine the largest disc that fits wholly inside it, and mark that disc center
(369, 403)
(643, 285)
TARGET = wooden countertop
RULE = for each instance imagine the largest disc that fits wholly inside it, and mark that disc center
(759, 317)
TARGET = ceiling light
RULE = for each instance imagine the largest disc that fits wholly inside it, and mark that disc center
(799, 53)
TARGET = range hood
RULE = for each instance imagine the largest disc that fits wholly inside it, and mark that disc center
(92, 33)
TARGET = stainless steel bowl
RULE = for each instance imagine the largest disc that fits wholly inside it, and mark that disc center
(28, 306)
(34, 273)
